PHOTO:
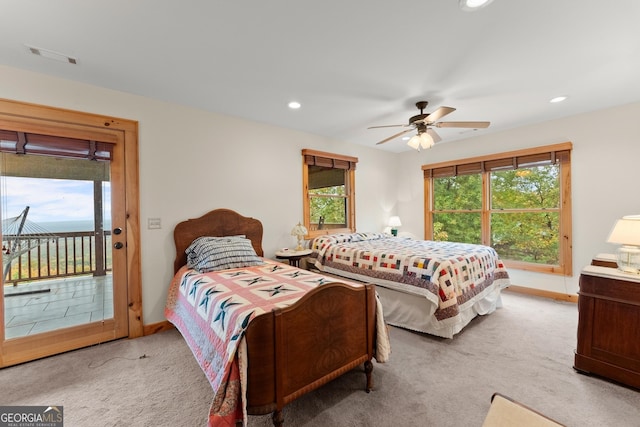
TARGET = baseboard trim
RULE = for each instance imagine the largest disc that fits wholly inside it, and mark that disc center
(154, 328)
(542, 293)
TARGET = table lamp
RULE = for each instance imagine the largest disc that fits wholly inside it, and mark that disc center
(626, 232)
(394, 223)
(299, 231)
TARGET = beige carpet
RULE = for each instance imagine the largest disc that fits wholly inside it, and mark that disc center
(524, 350)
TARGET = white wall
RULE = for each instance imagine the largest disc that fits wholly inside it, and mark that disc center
(192, 161)
(605, 175)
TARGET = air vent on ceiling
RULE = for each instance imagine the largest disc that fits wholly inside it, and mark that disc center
(45, 53)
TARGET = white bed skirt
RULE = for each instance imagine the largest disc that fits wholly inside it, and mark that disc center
(415, 312)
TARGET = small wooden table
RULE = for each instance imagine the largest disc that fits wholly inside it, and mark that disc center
(293, 256)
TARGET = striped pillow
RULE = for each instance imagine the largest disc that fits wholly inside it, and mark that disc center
(220, 253)
(200, 245)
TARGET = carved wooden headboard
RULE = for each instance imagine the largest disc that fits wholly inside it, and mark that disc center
(217, 223)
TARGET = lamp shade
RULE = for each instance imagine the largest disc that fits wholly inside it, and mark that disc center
(626, 231)
(414, 142)
(394, 221)
(426, 141)
(299, 230)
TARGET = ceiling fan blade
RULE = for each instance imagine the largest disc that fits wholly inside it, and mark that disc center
(394, 136)
(434, 135)
(385, 126)
(475, 125)
(438, 114)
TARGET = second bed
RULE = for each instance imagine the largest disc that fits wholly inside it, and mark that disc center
(426, 286)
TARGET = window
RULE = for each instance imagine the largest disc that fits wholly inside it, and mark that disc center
(518, 202)
(329, 192)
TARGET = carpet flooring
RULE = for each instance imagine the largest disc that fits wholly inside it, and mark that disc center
(523, 350)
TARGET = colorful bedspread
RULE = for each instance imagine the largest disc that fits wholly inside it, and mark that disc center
(213, 310)
(450, 275)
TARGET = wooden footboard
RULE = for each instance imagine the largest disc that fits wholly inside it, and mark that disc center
(294, 350)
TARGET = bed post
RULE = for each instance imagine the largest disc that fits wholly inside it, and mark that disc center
(277, 418)
(370, 304)
(368, 369)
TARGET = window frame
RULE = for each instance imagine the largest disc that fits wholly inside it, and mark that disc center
(484, 165)
(337, 161)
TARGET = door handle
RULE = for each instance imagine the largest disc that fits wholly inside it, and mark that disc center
(118, 245)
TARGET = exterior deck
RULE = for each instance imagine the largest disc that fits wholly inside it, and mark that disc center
(63, 281)
(70, 301)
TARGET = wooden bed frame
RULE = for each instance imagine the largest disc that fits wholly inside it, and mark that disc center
(294, 350)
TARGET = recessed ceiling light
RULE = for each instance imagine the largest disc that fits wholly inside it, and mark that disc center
(294, 105)
(471, 5)
(45, 53)
(557, 99)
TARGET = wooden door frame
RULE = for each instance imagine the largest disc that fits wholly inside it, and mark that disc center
(33, 114)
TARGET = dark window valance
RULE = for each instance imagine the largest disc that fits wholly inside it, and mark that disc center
(32, 143)
(541, 156)
(329, 160)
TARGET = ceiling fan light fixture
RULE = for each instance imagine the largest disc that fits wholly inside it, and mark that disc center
(471, 5)
(426, 136)
(422, 140)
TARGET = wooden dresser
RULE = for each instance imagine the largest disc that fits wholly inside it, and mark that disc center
(609, 323)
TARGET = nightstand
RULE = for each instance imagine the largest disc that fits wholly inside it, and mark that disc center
(293, 256)
(609, 324)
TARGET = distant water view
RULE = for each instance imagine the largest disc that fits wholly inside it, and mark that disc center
(70, 226)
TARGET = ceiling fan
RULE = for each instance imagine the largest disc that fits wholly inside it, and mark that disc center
(424, 124)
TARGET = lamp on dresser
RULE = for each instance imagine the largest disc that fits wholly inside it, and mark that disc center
(626, 232)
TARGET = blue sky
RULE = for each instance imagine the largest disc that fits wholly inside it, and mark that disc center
(50, 199)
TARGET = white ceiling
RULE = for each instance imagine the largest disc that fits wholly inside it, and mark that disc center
(351, 63)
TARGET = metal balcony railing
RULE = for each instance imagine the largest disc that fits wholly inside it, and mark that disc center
(43, 256)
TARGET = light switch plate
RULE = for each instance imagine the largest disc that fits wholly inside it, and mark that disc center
(154, 223)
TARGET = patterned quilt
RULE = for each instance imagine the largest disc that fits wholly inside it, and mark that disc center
(450, 275)
(212, 311)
